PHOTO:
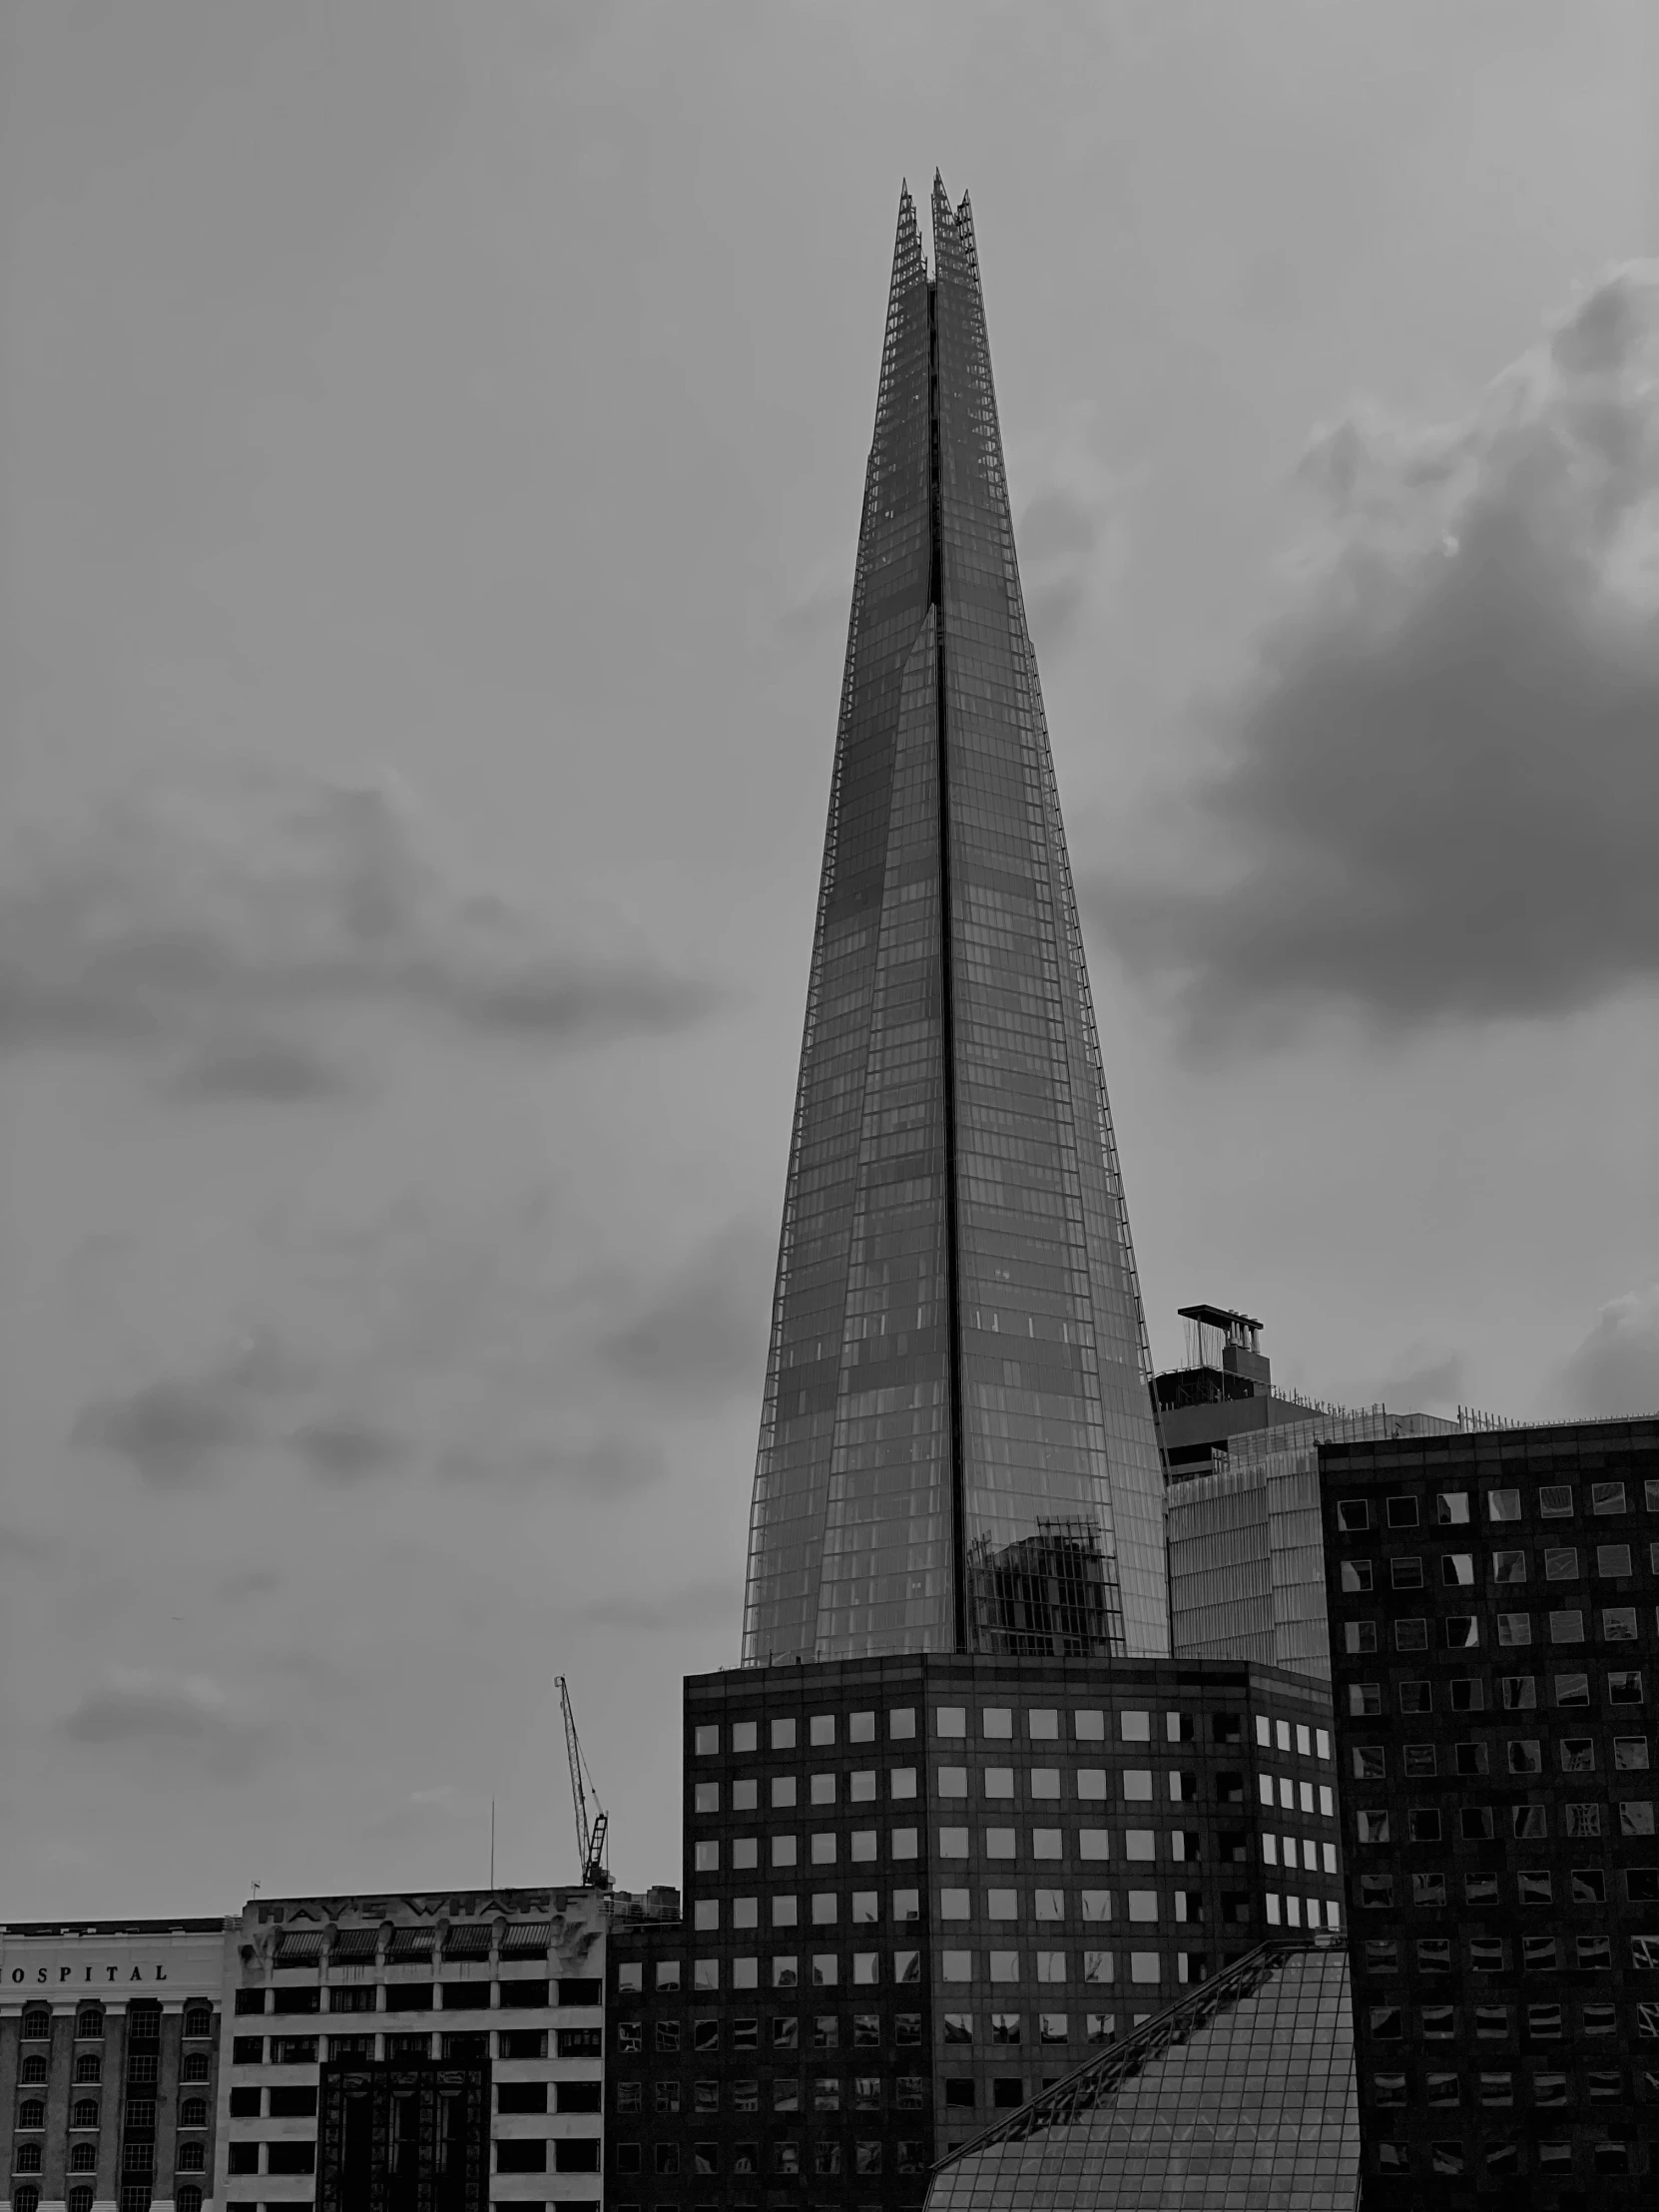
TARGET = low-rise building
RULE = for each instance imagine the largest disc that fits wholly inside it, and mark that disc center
(109, 2057)
(443, 2051)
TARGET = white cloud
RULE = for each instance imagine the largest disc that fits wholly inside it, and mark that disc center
(1615, 1370)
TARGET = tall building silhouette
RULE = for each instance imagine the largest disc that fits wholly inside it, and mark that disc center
(957, 1449)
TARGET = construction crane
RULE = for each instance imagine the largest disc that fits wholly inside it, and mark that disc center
(590, 1840)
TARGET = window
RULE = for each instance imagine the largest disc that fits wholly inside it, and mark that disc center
(1401, 1512)
(782, 1735)
(1414, 1697)
(1463, 1632)
(1419, 1761)
(951, 1720)
(1528, 1822)
(1607, 1497)
(1504, 1505)
(1630, 1752)
(1457, 1570)
(1406, 1574)
(1567, 1626)
(1636, 1817)
(1365, 1699)
(1519, 1693)
(192, 2111)
(37, 2024)
(1525, 1755)
(1410, 1635)
(1353, 1516)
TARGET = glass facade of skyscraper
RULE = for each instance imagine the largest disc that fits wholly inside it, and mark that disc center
(957, 1449)
(1239, 2098)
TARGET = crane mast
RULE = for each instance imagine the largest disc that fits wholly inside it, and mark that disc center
(591, 1836)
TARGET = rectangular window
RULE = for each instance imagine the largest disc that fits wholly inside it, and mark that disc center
(1555, 1501)
(1353, 1516)
(782, 1735)
(1401, 1512)
(1093, 1843)
(1089, 1724)
(1508, 1566)
(1607, 1497)
(1567, 1626)
(1618, 1624)
(1000, 1843)
(1513, 1629)
(1504, 1505)
(1457, 1570)
(1356, 1576)
(1045, 1843)
(1613, 1559)
(1410, 1635)
(901, 1723)
(997, 1720)
(1463, 1632)
(1573, 1690)
(1365, 1699)
(1404, 1574)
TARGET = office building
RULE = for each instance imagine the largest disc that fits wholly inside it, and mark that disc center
(957, 1448)
(1492, 1631)
(110, 2041)
(1247, 1547)
(421, 2053)
(917, 1890)
(1239, 2097)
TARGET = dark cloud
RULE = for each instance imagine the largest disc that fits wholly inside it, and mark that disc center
(1615, 1370)
(1435, 797)
(1069, 532)
(274, 1070)
(348, 1448)
(183, 1715)
(179, 1431)
(207, 915)
(702, 1336)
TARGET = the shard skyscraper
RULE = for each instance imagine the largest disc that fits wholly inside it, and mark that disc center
(957, 1450)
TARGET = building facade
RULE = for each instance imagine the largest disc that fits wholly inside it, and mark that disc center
(1493, 1645)
(919, 1890)
(109, 2044)
(957, 1448)
(421, 2053)
(1247, 1544)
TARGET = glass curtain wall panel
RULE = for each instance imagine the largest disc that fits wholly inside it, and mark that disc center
(957, 1449)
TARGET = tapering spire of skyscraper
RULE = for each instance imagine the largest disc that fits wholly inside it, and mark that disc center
(957, 1449)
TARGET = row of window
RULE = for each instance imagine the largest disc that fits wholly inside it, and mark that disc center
(1454, 1508)
(1554, 2155)
(1538, 1953)
(1517, 1693)
(28, 2159)
(866, 2030)
(1089, 1783)
(1542, 2022)
(1522, 1754)
(35, 2070)
(1313, 1857)
(420, 1997)
(1493, 2087)
(144, 2022)
(745, 2158)
(31, 2113)
(133, 2198)
(1560, 1562)
(519, 2043)
(1304, 1912)
(1043, 1724)
(1462, 1632)
(824, 2093)
(1534, 1887)
(1580, 1820)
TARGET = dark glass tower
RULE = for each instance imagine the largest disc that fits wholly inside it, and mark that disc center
(957, 1450)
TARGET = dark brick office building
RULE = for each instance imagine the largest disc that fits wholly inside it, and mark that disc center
(1493, 1645)
(919, 1888)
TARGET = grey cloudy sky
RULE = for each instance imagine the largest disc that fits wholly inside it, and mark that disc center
(433, 444)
